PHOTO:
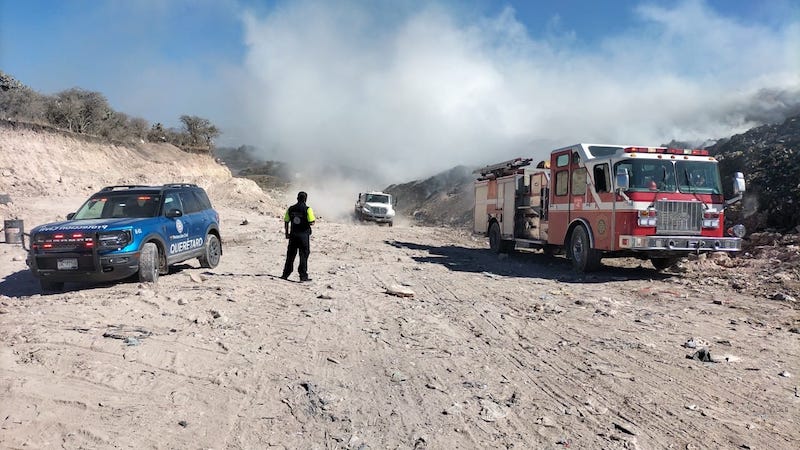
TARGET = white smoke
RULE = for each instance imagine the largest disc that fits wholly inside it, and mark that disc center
(416, 91)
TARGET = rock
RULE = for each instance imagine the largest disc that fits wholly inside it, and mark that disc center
(785, 374)
(399, 291)
(132, 341)
(215, 314)
(782, 297)
(182, 301)
(183, 423)
(195, 277)
(325, 297)
(546, 421)
(453, 410)
(244, 222)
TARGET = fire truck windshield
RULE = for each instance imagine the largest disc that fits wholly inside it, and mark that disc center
(657, 175)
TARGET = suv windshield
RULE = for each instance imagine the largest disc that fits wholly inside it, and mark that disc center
(377, 198)
(127, 206)
(656, 175)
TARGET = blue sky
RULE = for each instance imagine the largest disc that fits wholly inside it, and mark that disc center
(418, 85)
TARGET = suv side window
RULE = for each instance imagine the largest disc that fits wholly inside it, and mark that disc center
(173, 201)
(190, 202)
(205, 203)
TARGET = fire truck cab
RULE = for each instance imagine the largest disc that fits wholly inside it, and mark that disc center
(593, 201)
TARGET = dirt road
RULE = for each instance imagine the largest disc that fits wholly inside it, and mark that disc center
(487, 353)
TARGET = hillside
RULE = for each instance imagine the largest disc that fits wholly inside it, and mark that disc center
(38, 164)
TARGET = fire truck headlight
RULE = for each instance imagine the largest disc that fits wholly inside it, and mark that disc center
(737, 231)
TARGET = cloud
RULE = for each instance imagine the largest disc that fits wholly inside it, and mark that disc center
(416, 91)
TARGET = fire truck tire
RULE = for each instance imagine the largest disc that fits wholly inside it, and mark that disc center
(584, 257)
(495, 240)
(664, 263)
(148, 263)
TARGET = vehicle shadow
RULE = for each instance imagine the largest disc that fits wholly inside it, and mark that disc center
(20, 284)
(24, 284)
(522, 263)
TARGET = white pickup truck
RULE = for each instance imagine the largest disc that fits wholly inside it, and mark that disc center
(375, 206)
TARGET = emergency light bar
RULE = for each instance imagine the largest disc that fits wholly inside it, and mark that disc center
(672, 151)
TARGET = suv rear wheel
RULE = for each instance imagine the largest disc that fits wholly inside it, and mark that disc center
(211, 253)
(148, 263)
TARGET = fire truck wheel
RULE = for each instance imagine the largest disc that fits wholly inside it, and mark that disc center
(495, 240)
(664, 263)
(584, 257)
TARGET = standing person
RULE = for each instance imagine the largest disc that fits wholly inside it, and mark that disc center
(301, 217)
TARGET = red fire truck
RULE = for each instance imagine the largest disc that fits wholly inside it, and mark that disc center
(662, 204)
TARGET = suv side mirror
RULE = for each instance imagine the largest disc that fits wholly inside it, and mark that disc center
(738, 183)
(623, 179)
(70, 216)
(175, 212)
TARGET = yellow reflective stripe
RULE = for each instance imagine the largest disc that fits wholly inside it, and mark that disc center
(286, 216)
(310, 215)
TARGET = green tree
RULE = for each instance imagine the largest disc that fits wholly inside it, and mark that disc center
(78, 110)
(200, 132)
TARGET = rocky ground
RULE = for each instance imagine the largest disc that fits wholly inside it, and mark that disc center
(407, 337)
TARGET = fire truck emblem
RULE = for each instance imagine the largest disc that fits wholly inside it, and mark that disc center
(601, 226)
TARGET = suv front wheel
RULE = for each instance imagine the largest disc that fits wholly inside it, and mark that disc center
(211, 253)
(148, 263)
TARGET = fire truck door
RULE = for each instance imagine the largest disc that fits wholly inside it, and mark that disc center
(560, 199)
(505, 203)
(481, 222)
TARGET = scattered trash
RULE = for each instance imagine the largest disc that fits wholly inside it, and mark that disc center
(244, 222)
(785, 374)
(691, 407)
(132, 341)
(491, 411)
(325, 297)
(703, 355)
(398, 377)
(183, 423)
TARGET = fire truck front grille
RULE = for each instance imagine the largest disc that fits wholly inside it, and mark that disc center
(679, 217)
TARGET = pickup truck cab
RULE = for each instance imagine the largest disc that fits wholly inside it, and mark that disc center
(375, 206)
(122, 231)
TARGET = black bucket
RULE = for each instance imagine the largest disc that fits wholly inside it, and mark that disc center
(14, 230)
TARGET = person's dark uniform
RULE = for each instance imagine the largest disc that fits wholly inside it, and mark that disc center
(301, 217)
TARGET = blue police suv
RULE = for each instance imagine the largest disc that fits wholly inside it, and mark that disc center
(122, 231)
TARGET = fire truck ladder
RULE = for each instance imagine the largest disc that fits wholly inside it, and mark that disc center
(509, 167)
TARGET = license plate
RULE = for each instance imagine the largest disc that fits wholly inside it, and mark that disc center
(67, 264)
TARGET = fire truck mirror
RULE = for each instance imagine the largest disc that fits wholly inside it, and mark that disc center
(738, 183)
(623, 179)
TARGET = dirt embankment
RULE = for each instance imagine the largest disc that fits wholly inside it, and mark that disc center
(475, 351)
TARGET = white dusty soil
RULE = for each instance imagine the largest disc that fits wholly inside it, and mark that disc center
(488, 352)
